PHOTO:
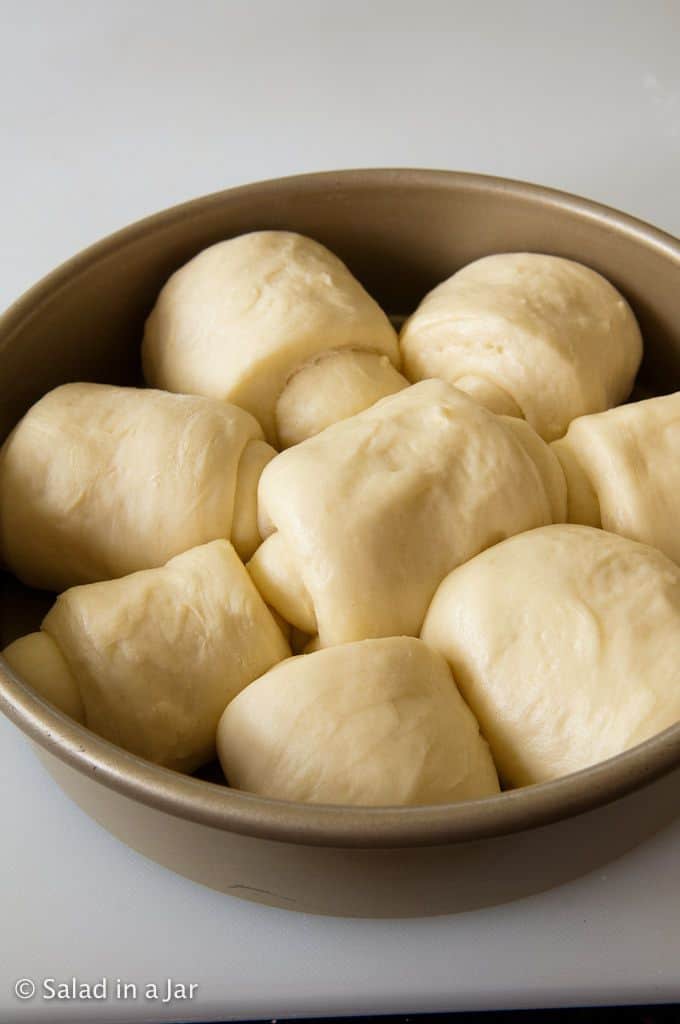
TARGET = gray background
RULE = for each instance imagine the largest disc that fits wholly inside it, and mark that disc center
(109, 112)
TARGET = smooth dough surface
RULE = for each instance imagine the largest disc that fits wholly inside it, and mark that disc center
(549, 335)
(40, 663)
(99, 481)
(333, 387)
(158, 655)
(240, 318)
(374, 723)
(565, 642)
(245, 535)
(373, 512)
(623, 471)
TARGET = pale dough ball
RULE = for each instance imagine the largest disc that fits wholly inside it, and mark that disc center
(274, 571)
(240, 318)
(156, 656)
(565, 642)
(372, 513)
(530, 335)
(335, 386)
(490, 395)
(371, 723)
(549, 467)
(37, 659)
(623, 471)
(245, 535)
(99, 481)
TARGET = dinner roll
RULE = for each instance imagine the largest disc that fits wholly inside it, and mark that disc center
(241, 318)
(364, 520)
(565, 642)
(623, 471)
(99, 481)
(527, 335)
(156, 656)
(371, 723)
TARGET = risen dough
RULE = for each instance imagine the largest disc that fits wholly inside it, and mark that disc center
(376, 722)
(239, 319)
(565, 642)
(335, 386)
(157, 656)
(374, 511)
(39, 662)
(245, 535)
(99, 481)
(623, 471)
(546, 335)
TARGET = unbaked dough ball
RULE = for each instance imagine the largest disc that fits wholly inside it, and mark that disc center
(376, 722)
(335, 386)
(365, 519)
(242, 317)
(623, 471)
(565, 642)
(527, 335)
(37, 659)
(155, 657)
(99, 481)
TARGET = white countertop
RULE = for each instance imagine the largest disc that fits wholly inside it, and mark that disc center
(111, 111)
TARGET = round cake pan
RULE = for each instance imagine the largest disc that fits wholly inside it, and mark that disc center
(400, 232)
